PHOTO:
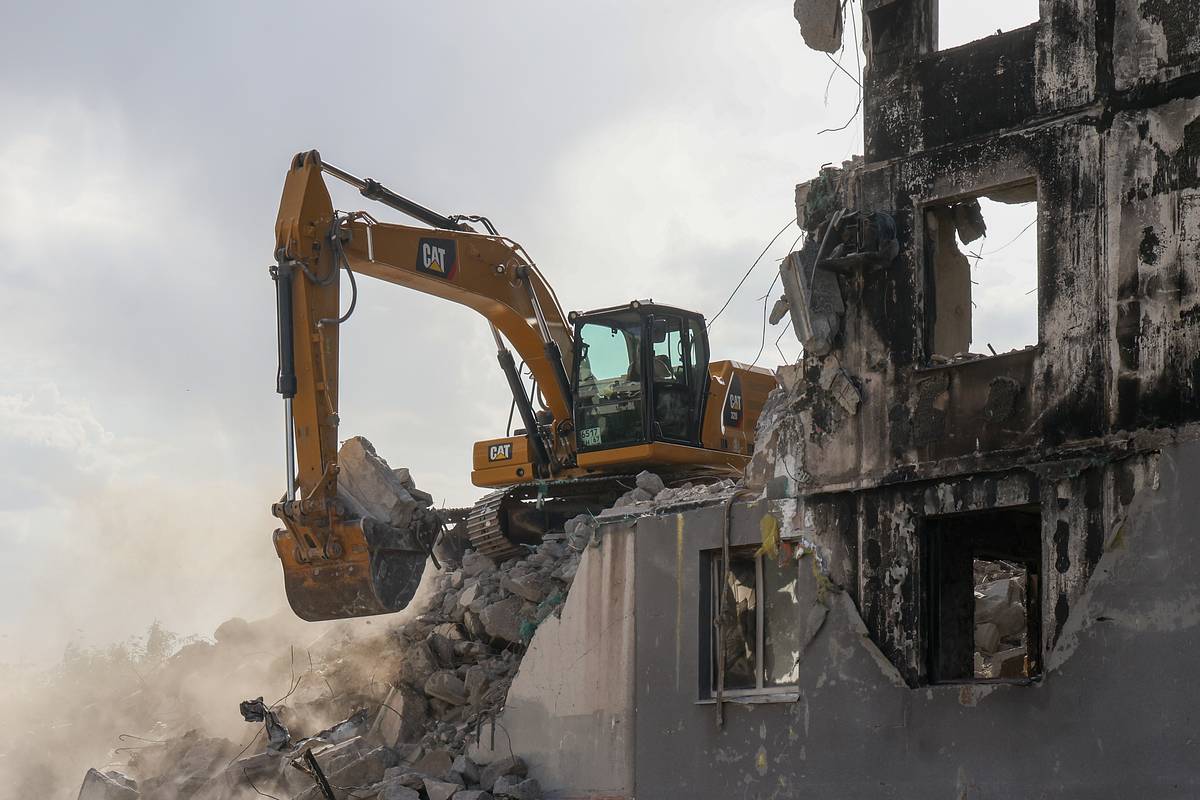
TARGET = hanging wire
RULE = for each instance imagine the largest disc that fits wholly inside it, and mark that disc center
(766, 298)
(791, 221)
(857, 81)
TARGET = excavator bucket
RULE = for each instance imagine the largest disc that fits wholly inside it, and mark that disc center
(366, 567)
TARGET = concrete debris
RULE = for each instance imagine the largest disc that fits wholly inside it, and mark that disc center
(440, 790)
(500, 768)
(820, 23)
(434, 762)
(516, 788)
(395, 791)
(109, 785)
(374, 489)
(502, 619)
(814, 300)
(779, 310)
(400, 718)
(1001, 620)
(476, 563)
(650, 483)
(641, 500)
(446, 686)
(256, 711)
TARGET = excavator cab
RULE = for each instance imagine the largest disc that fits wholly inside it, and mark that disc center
(640, 376)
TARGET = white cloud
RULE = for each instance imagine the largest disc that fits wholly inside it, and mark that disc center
(73, 178)
(44, 418)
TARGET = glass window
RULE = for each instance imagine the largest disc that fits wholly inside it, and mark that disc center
(781, 633)
(698, 354)
(755, 617)
(674, 400)
(736, 633)
(608, 407)
(668, 350)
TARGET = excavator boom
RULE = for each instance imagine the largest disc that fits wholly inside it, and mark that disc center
(337, 564)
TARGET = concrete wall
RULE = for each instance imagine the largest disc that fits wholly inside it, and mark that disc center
(569, 712)
(1112, 717)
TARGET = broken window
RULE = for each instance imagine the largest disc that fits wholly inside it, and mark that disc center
(982, 273)
(959, 23)
(983, 577)
(752, 614)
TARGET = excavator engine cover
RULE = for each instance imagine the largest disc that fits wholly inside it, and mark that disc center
(366, 567)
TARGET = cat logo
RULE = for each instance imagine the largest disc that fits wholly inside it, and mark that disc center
(437, 257)
(500, 452)
(732, 417)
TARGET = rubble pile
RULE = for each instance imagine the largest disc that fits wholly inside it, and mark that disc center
(1000, 620)
(651, 495)
(384, 708)
(438, 677)
(411, 696)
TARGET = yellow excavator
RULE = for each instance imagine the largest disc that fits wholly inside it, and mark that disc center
(618, 390)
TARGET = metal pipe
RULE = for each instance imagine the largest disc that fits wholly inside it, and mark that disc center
(373, 190)
(290, 444)
(541, 458)
(549, 346)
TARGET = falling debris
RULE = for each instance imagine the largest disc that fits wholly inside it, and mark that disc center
(820, 23)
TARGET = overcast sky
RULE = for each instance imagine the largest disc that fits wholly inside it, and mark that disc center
(637, 149)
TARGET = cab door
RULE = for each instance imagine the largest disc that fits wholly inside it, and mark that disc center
(610, 409)
(678, 371)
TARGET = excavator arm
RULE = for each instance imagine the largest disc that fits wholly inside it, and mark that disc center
(336, 564)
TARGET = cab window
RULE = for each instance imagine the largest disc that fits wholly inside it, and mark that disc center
(673, 380)
(609, 399)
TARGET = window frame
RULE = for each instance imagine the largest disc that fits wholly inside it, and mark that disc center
(926, 247)
(707, 688)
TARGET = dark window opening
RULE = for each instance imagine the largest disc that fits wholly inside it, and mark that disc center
(959, 23)
(983, 593)
(982, 274)
(752, 618)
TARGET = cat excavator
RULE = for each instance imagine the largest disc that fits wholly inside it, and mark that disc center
(617, 390)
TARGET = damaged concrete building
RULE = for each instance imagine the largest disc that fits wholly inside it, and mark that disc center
(947, 573)
(965, 575)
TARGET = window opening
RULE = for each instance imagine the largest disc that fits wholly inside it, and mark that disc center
(960, 23)
(982, 260)
(608, 409)
(984, 596)
(756, 635)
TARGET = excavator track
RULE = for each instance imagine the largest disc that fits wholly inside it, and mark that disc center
(484, 531)
(507, 522)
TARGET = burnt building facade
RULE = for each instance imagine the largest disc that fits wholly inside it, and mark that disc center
(963, 571)
(1092, 114)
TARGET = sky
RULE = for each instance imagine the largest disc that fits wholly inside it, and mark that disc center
(637, 150)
